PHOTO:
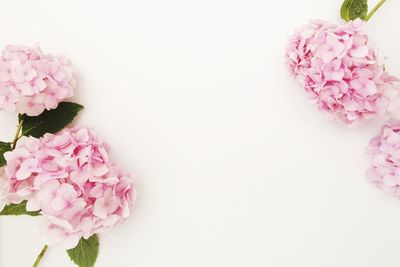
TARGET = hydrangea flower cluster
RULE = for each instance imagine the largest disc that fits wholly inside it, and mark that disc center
(385, 152)
(31, 81)
(70, 178)
(338, 68)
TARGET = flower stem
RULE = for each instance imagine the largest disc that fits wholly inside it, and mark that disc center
(17, 135)
(40, 256)
(372, 12)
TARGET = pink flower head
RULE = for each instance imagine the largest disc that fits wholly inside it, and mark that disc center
(68, 177)
(385, 152)
(21, 169)
(337, 66)
(31, 81)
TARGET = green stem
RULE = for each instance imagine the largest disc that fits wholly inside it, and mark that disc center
(372, 12)
(17, 135)
(40, 256)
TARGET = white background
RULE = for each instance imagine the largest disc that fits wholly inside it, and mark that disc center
(234, 167)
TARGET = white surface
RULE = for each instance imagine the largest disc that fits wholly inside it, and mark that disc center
(234, 167)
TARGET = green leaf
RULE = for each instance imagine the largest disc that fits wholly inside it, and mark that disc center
(4, 147)
(50, 121)
(85, 253)
(18, 209)
(353, 9)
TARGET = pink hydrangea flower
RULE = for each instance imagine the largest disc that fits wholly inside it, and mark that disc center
(31, 81)
(19, 173)
(385, 152)
(337, 66)
(71, 179)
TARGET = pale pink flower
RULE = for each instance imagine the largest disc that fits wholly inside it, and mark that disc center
(31, 82)
(31, 105)
(330, 49)
(70, 178)
(385, 152)
(338, 67)
(21, 170)
(59, 233)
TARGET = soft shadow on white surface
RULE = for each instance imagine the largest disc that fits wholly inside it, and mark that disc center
(234, 167)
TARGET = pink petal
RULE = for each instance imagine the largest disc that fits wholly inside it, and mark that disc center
(360, 52)
(4, 76)
(99, 208)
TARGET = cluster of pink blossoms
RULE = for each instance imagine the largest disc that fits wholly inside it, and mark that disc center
(385, 152)
(71, 180)
(338, 68)
(31, 82)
